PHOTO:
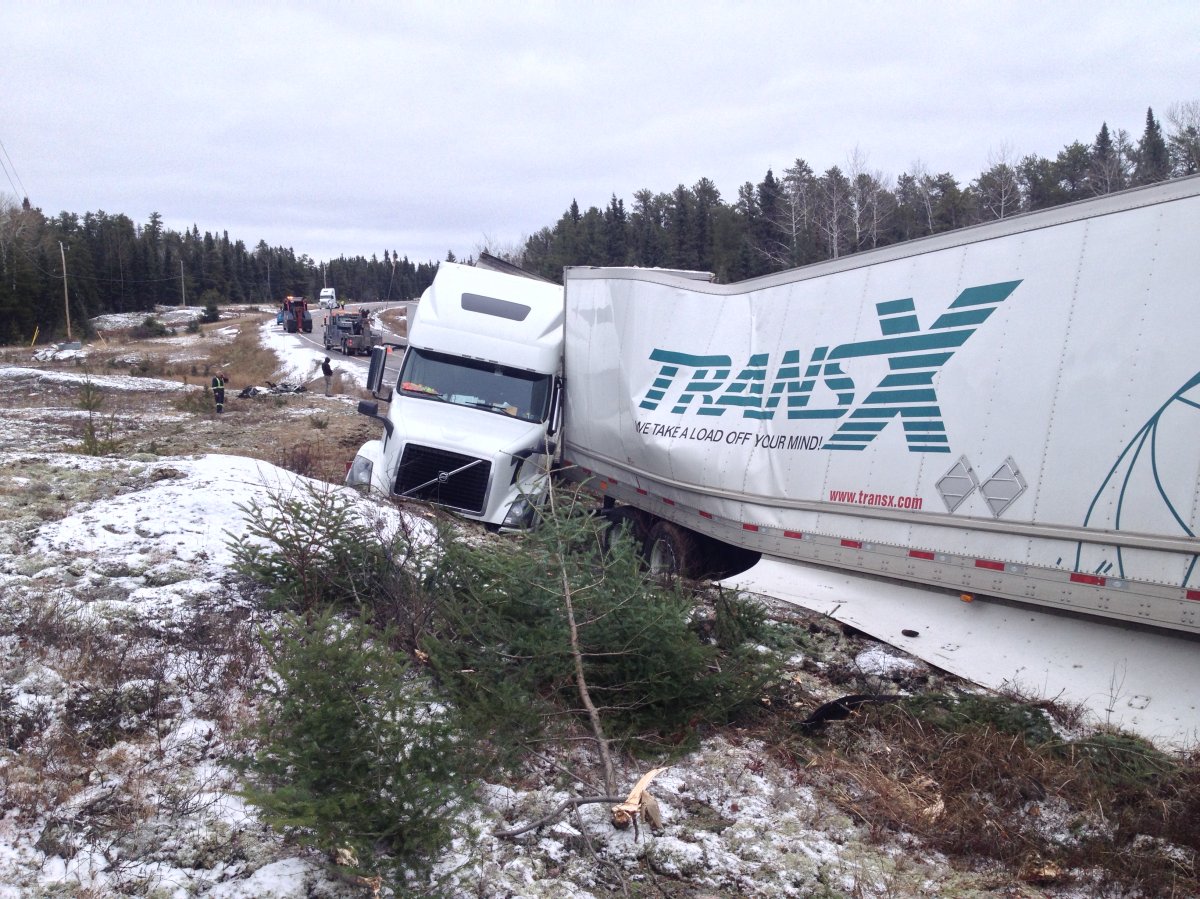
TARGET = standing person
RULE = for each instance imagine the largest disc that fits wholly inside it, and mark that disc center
(218, 389)
(327, 371)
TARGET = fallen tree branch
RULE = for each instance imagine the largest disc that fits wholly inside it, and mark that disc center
(562, 807)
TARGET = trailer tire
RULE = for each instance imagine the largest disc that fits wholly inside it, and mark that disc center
(672, 551)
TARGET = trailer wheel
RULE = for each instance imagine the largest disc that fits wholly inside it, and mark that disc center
(672, 551)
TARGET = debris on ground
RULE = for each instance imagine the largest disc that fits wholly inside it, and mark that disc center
(272, 389)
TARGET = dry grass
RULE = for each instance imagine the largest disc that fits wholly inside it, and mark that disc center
(986, 781)
(305, 433)
(246, 360)
(96, 762)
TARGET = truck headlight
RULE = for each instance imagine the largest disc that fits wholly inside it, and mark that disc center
(520, 515)
(360, 472)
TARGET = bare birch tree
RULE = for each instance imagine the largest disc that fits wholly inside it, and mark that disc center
(998, 188)
(922, 189)
(871, 200)
(1183, 142)
(833, 216)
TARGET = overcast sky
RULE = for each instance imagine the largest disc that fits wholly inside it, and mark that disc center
(351, 128)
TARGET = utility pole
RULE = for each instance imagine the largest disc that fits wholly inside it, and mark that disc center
(182, 286)
(66, 302)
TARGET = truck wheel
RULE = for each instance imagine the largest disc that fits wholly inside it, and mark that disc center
(672, 551)
(627, 519)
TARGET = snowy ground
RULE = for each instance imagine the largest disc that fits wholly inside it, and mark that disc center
(115, 580)
(301, 361)
(144, 547)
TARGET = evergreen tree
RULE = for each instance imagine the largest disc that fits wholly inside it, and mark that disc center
(1038, 181)
(681, 238)
(766, 225)
(707, 201)
(914, 204)
(648, 229)
(351, 752)
(951, 204)
(1153, 162)
(1071, 168)
(616, 233)
(1109, 168)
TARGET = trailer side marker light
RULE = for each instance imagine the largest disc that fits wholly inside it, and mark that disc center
(604, 485)
(795, 535)
(967, 597)
(669, 502)
(921, 554)
(704, 514)
(1093, 579)
(642, 492)
(750, 527)
(853, 544)
(990, 565)
(1194, 594)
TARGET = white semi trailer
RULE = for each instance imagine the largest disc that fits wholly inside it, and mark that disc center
(1010, 410)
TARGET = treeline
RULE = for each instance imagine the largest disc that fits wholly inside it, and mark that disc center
(785, 220)
(798, 216)
(116, 265)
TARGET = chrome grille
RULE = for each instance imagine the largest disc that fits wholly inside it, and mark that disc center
(425, 473)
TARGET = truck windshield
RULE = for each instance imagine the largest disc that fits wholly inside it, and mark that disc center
(481, 385)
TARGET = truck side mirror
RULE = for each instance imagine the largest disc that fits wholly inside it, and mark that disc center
(555, 406)
(371, 410)
(541, 448)
(376, 370)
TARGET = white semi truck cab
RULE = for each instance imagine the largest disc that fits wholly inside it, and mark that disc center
(474, 412)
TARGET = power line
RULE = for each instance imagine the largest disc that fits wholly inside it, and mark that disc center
(11, 166)
(92, 278)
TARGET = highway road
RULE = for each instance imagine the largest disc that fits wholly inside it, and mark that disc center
(381, 313)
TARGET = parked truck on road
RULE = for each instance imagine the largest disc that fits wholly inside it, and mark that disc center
(351, 333)
(1011, 409)
(293, 315)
